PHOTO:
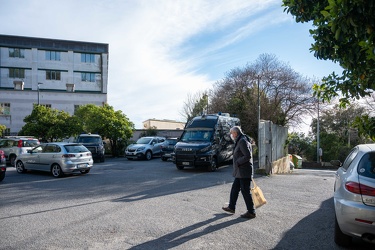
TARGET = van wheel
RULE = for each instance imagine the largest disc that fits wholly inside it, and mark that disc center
(213, 165)
(179, 167)
(148, 155)
(341, 239)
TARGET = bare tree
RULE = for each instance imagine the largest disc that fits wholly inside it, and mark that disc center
(195, 104)
(285, 96)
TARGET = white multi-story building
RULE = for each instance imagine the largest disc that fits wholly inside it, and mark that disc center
(59, 74)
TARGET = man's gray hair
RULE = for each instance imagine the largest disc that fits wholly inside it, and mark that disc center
(236, 129)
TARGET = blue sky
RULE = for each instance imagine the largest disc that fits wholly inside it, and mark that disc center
(160, 51)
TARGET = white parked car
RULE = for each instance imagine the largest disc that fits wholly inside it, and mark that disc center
(145, 148)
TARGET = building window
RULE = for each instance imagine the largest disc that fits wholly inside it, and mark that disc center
(4, 108)
(53, 55)
(16, 73)
(15, 52)
(87, 58)
(46, 105)
(88, 77)
(53, 75)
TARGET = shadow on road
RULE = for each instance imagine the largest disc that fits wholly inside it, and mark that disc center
(186, 234)
(298, 238)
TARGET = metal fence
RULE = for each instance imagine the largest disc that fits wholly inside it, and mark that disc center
(271, 145)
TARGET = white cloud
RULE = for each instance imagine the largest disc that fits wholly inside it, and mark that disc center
(153, 57)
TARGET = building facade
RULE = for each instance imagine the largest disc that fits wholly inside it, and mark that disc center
(60, 74)
(163, 124)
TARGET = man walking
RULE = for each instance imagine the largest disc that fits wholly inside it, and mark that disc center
(242, 173)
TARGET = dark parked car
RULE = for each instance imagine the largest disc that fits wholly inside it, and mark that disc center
(95, 144)
(168, 148)
(3, 168)
(354, 196)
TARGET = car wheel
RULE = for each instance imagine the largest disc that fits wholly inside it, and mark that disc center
(129, 159)
(213, 165)
(85, 171)
(341, 239)
(179, 167)
(148, 155)
(56, 171)
(12, 160)
(20, 167)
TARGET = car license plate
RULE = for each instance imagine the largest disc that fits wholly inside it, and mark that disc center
(82, 165)
(185, 163)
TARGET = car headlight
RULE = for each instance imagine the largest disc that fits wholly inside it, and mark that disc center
(140, 148)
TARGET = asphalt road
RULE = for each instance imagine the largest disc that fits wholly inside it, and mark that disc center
(125, 204)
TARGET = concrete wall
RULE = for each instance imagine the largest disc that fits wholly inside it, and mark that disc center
(271, 146)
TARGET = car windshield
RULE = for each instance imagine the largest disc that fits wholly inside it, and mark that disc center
(196, 135)
(75, 148)
(144, 140)
(89, 139)
(366, 166)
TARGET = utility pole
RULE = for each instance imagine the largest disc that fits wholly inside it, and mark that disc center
(317, 137)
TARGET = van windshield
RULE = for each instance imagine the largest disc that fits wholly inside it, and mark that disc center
(89, 139)
(197, 135)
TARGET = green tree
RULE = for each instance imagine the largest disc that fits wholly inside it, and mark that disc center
(149, 132)
(365, 125)
(337, 134)
(302, 145)
(343, 33)
(47, 124)
(104, 120)
(2, 129)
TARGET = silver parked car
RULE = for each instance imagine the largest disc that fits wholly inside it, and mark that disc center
(59, 158)
(354, 196)
(16, 145)
(145, 147)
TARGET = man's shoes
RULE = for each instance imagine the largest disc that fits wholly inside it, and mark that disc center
(228, 209)
(248, 215)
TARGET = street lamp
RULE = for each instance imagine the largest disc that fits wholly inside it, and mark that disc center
(38, 91)
(259, 141)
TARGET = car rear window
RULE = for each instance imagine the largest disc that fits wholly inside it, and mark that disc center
(366, 166)
(30, 143)
(77, 148)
